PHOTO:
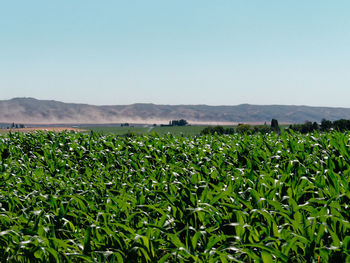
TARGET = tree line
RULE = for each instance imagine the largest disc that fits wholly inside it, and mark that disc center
(181, 122)
(243, 128)
(325, 125)
(308, 126)
(12, 126)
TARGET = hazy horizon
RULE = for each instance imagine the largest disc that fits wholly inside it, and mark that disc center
(171, 53)
(201, 104)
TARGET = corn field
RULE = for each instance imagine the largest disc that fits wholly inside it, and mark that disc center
(74, 197)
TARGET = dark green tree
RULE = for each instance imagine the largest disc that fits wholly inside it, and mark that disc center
(274, 126)
(213, 130)
(326, 125)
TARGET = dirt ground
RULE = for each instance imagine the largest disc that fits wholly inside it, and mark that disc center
(54, 129)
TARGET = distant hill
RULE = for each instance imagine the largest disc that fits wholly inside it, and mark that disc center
(30, 110)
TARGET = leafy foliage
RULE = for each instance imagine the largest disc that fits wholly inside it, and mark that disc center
(71, 197)
(326, 125)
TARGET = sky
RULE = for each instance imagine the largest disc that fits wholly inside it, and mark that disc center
(223, 52)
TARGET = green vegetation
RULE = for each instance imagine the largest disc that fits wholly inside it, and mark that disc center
(217, 130)
(181, 122)
(326, 125)
(240, 128)
(178, 130)
(274, 126)
(117, 130)
(73, 197)
(140, 130)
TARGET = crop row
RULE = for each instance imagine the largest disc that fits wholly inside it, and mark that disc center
(72, 197)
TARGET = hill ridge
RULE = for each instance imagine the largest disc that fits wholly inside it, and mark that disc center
(32, 110)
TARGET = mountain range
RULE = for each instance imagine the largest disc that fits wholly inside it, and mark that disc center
(34, 111)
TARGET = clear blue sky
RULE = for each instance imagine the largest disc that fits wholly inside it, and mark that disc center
(223, 52)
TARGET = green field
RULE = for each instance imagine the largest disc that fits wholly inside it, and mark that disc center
(190, 130)
(74, 197)
(174, 130)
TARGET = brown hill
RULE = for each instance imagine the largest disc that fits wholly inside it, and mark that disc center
(29, 110)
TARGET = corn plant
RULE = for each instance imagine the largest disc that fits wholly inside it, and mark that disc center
(73, 197)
